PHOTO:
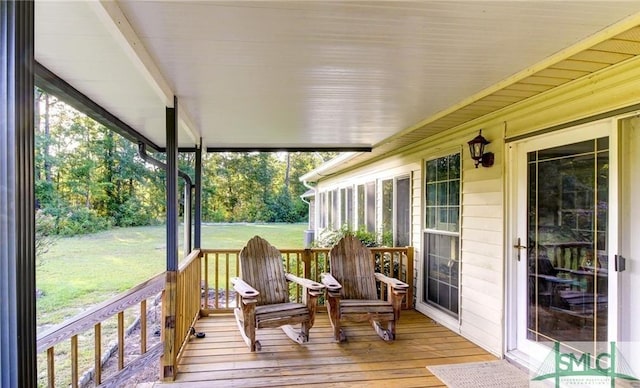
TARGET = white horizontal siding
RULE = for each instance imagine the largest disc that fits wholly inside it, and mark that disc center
(484, 333)
(492, 212)
(482, 248)
(482, 272)
(482, 236)
(472, 223)
(490, 263)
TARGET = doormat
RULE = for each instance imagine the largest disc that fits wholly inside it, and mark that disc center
(487, 374)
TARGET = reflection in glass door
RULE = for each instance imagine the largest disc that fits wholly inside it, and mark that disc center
(567, 261)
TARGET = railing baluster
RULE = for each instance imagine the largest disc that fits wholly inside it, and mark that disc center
(226, 294)
(206, 281)
(97, 379)
(215, 302)
(298, 287)
(143, 326)
(237, 255)
(51, 376)
(120, 340)
(74, 361)
(409, 279)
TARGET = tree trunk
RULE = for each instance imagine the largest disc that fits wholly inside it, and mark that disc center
(47, 138)
(286, 172)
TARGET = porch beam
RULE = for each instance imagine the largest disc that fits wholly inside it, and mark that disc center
(48, 81)
(122, 31)
(290, 149)
(197, 239)
(17, 214)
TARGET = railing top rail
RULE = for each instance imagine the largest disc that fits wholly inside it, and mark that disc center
(389, 249)
(99, 313)
(298, 250)
(187, 261)
(206, 251)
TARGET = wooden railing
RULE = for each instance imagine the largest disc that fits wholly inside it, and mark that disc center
(188, 302)
(201, 286)
(93, 318)
(219, 265)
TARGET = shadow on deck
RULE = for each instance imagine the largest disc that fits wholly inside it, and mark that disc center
(223, 360)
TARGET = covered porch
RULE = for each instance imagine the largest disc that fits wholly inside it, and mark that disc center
(371, 78)
(365, 360)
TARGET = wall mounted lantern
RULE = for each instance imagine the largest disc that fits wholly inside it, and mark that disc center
(476, 147)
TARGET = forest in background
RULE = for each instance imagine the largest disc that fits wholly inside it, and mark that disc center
(89, 178)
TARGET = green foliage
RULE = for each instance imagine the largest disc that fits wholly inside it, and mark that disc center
(256, 187)
(77, 220)
(329, 237)
(89, 178)
(45, 235)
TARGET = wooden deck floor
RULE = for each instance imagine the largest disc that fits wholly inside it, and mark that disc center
(223, 360)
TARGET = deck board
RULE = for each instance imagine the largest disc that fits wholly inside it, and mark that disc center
(223, 359)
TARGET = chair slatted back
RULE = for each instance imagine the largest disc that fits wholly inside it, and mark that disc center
(261, 266)
(352, 266)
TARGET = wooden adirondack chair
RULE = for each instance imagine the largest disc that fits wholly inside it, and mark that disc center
(351, 290)
(264, 291)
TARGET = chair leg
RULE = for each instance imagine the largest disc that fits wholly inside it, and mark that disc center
(391, 328)
(300, 336)
(334, 317)
(246, 319)
(386, 334)
(304, 329)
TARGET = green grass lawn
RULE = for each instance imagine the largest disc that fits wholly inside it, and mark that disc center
(81, 271)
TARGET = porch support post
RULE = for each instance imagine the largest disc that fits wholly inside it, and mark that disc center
(17, 218)
(197, 239)
(168, 367)
(186, 216)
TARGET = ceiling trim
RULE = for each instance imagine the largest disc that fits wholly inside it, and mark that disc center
(289, 149)
(126, 37)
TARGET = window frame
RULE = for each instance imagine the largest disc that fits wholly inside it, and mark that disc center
(433, 230)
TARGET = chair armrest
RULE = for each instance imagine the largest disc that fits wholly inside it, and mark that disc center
(330, 282)
(244, 289)
(310, 284)
(392, 282)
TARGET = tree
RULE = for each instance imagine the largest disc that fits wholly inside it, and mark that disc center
(89, 178)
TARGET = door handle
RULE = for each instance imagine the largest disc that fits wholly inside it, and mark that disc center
(519, 246)
(620, 263)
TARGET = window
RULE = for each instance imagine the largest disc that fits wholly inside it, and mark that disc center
(442, 234)
(396, 213)
(343, 206)
(443, 193)
(387, 212)
(360, 200)
(349, 220)
(371, 207)
(403, 212)
(322, 201)
(334, 210)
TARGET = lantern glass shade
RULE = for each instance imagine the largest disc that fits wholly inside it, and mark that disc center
(477, 149)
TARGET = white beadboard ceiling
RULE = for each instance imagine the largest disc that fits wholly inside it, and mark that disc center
(308, 73)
